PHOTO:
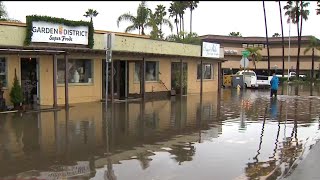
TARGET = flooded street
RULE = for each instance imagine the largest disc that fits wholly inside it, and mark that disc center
(234, 135)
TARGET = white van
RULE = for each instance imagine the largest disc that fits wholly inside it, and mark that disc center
(249, 78)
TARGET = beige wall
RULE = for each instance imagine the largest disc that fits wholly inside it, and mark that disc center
(275, 57)
(194, 84)
(13, 62)
(165, 76)
(305, 63)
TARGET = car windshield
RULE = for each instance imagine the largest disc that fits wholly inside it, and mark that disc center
(249, 74)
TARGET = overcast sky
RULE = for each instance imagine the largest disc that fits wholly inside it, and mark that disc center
(211, 17)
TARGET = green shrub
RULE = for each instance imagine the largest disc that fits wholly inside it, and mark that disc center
(16, 96)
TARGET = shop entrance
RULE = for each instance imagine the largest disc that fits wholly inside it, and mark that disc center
(29, 80)
(119, 79)
(175, 77)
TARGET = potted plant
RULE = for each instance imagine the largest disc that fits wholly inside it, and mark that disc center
(16, 96)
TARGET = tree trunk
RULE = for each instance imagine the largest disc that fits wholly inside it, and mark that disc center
(182, 26)
(299, 41)
(190, 20)
(266, 27)
(142, 30)
(282, 39)
(176, 21)
(254, 62)
(312, 65)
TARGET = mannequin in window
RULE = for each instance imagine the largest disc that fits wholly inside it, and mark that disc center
(150, 75)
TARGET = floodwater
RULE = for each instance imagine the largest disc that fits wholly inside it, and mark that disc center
(235, 135)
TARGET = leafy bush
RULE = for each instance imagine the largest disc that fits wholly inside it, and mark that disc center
(186, 38)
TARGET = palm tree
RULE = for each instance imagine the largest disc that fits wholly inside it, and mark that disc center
(153, 23)
(313, 44)
(255, 55)
(3, 12)
(173, 10)
(91, 13)
(282, 39)
(138, 22)
(192, 5)
(276, 35)
(295, 13)
(236, 34)
(266, 27)
(161, 20)
(182, 7)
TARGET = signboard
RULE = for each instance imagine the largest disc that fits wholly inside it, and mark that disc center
(245, 53)
(210, 50)
(108, 45)
(244, 62)
(59, 33)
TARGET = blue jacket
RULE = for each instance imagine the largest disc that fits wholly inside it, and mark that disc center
(274, 82)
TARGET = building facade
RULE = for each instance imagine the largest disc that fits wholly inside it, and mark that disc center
(40, 66)
(233, 46)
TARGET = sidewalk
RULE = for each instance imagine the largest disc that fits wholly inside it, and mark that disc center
(308, 169)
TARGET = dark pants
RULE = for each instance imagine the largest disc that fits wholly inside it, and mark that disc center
(273, 92)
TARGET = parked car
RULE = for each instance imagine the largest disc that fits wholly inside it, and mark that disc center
(249, 78)
(263, 81)
(291, 75)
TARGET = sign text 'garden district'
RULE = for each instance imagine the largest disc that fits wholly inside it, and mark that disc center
(59, 33)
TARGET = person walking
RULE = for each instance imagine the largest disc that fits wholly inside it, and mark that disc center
(274, 85)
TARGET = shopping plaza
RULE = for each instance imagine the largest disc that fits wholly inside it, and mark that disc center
(140, 67)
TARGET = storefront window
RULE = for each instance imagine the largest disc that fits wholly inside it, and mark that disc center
(3, 71)
(80, 71)
(152, 71)
(207, 71)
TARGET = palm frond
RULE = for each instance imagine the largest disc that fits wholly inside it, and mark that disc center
(126, 17)
(167, 22)
(131, 28)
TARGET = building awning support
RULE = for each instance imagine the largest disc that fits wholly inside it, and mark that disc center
(143, 78)
(219, 77)
(181, 75)
(66, 81)
(55, 99)
(201, 79)
(112, 82)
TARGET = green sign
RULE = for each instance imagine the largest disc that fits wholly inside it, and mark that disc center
(245, 53)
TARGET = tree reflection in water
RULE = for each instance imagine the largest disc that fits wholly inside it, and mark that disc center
(183, 152)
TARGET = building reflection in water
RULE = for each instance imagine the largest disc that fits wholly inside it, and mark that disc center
(85, 138)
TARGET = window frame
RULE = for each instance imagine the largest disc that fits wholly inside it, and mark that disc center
(157, 72)
(79, 83)
(5, 71)
(204, 64)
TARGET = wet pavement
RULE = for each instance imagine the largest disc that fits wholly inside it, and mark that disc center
(234, 135)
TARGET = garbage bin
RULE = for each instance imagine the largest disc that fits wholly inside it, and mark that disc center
(237, 80)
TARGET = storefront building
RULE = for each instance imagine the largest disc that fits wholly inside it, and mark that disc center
(39, 61)
(233, 46)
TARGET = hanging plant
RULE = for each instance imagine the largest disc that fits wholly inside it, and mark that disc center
(30, 19)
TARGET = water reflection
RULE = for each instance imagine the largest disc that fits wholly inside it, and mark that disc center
(219, 136)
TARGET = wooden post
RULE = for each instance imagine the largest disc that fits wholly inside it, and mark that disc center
(201, 78)
(181, 75)
(112, 82)
(66, 81)
(219, 77)
(55, 99)
(126, 80)
(143, 78)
